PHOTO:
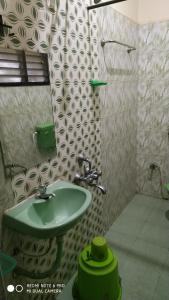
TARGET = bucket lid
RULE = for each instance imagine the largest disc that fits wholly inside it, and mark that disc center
(99, 249)
(97, 255)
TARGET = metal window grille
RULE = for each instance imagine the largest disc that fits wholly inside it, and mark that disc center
(23, 68)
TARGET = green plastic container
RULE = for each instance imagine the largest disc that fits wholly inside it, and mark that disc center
(98, 277)
(7, 264)
(46, 137)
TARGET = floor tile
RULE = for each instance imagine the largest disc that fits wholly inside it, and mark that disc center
(140, 239)
(146, 201)
(158, 218)
(153, 255)
(131, 226)
(162, 287)
(155, 234)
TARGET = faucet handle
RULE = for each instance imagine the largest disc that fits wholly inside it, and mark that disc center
(99, 173)
(82, 159)
(78, 178)
(87, 170)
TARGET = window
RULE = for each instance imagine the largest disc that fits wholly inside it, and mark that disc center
(23, 68)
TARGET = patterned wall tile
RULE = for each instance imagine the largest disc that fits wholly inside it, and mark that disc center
(118, 111)
(21, 110)
(153, 115)
(64, 34)
(154, 35)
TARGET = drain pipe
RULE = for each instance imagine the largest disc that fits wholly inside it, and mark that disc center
(152, 168)
(51, 271)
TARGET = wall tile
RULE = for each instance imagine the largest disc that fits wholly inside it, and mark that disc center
(153, 93)
(64, 34)
(118, 111)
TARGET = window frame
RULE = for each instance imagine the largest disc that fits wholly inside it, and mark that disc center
(23, 68)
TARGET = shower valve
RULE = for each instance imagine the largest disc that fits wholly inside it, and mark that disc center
(153, 166)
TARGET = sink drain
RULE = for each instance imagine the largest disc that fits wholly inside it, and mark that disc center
(167, 214)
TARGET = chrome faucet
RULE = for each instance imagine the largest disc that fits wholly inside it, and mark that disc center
(101, 188)
(90, 175)
(81, 159)
(42, 193)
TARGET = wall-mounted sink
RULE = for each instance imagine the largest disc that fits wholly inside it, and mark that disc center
(48, 218)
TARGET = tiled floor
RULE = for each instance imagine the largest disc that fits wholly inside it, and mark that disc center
(140, 238)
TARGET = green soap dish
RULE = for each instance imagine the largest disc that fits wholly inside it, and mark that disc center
(7, 264)
(95, 83)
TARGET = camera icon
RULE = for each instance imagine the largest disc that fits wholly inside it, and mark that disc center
(18, 288)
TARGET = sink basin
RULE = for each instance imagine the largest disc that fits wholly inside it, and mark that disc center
(48, 218)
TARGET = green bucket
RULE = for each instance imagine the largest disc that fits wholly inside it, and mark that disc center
(98, 277)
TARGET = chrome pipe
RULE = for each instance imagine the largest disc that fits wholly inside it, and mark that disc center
(130, 48)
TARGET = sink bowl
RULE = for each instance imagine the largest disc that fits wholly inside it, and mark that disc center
(48, 218)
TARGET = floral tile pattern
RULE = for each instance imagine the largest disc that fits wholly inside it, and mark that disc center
(63, 32)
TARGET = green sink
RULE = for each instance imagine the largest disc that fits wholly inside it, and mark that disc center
(52, 217)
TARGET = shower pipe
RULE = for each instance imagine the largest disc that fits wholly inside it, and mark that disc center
(130, 48)
(154, 167)
(104, 4)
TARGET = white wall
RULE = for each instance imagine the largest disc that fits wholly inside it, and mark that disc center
(153, 10)
(128, 8)
(144, 11)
